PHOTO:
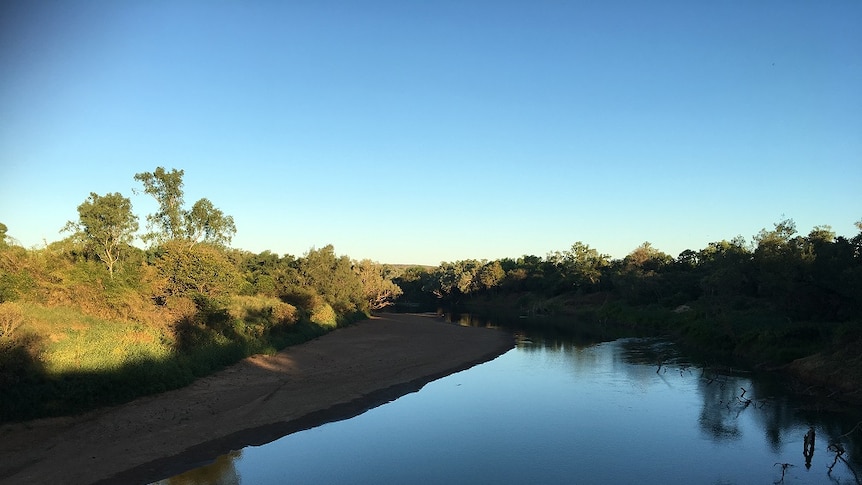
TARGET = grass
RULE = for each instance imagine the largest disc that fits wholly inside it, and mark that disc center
(74, 342)
(62, 361)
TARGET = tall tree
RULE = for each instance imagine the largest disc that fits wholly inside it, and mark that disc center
(203, 223)
(778, 259)
(647, 259)
(581, 266)
(167, 189)
(333, 278)
(107, 224)
(490, 275)
(377, 285)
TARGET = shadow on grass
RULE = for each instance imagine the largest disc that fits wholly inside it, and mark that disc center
(203, 344)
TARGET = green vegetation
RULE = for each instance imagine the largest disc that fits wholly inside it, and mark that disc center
(106, 225)
(767, 304)
(92, 320)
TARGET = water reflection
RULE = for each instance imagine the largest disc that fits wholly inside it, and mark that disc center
(220, 472)
(719, 412)
(560, 409)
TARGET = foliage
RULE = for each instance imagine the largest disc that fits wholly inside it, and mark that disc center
(817, 277)
(63, 361)
(377, 286)
(580, 267)
(107, 225)
(780, 298)
(167, 189)
(260, 315)
(203, 223)
(268, 274)
(16, 279)
(489, 275)
(414, 282)
(201, 270)
(323, 314)
(454, 280)
(74, 336)
(332, 277)
(11, 318)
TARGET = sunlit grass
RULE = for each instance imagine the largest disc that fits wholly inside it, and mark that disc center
(71, 341)
(64, 361)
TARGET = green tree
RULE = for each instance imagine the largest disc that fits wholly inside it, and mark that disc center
(107, 225)
(3, 230)
(377, 285)
(204, 222)
(688, 259)
(822, 234)
(456, 279)
(167, 188)
(581, 266)
(259, 271)
(490, 275)
(417, 283)
(202, 270)
(776, 240)
(639, 276)
(332, 277)
(778, 259)
(725, 268)
(647, 259)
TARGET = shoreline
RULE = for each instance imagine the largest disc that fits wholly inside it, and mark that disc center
(337, 376)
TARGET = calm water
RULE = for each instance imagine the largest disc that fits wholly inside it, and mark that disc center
(555, 411)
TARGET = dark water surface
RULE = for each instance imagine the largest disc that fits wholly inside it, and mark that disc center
(561, 411)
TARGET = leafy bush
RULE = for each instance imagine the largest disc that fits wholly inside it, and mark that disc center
(198, 270)
(324, 315)
(11, 318)
(285, 313)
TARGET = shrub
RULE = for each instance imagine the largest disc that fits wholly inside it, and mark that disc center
(11, 318)
(199, 270)
(181, 307)
(284, 313)
(323, 314)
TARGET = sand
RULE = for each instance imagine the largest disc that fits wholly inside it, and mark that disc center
(256, 401)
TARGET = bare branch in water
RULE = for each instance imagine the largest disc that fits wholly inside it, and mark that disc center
(784, 467)
(839, 451)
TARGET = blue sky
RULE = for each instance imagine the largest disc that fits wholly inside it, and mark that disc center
(421, 132)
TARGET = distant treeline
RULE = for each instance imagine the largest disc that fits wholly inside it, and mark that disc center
(781, 297)
(815, 277)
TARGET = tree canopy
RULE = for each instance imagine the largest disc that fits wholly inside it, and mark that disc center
(202, 223)
(167, 189)
(107, 224)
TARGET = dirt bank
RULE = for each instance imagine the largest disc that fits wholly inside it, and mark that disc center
(256, 401)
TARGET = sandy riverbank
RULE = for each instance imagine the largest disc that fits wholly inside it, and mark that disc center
(256, 401)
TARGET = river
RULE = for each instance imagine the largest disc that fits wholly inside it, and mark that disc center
(564, 410)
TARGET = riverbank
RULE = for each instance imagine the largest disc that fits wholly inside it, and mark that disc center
(819, 360)
(262, 398)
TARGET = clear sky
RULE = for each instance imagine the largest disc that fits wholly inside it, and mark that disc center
(421, 132)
